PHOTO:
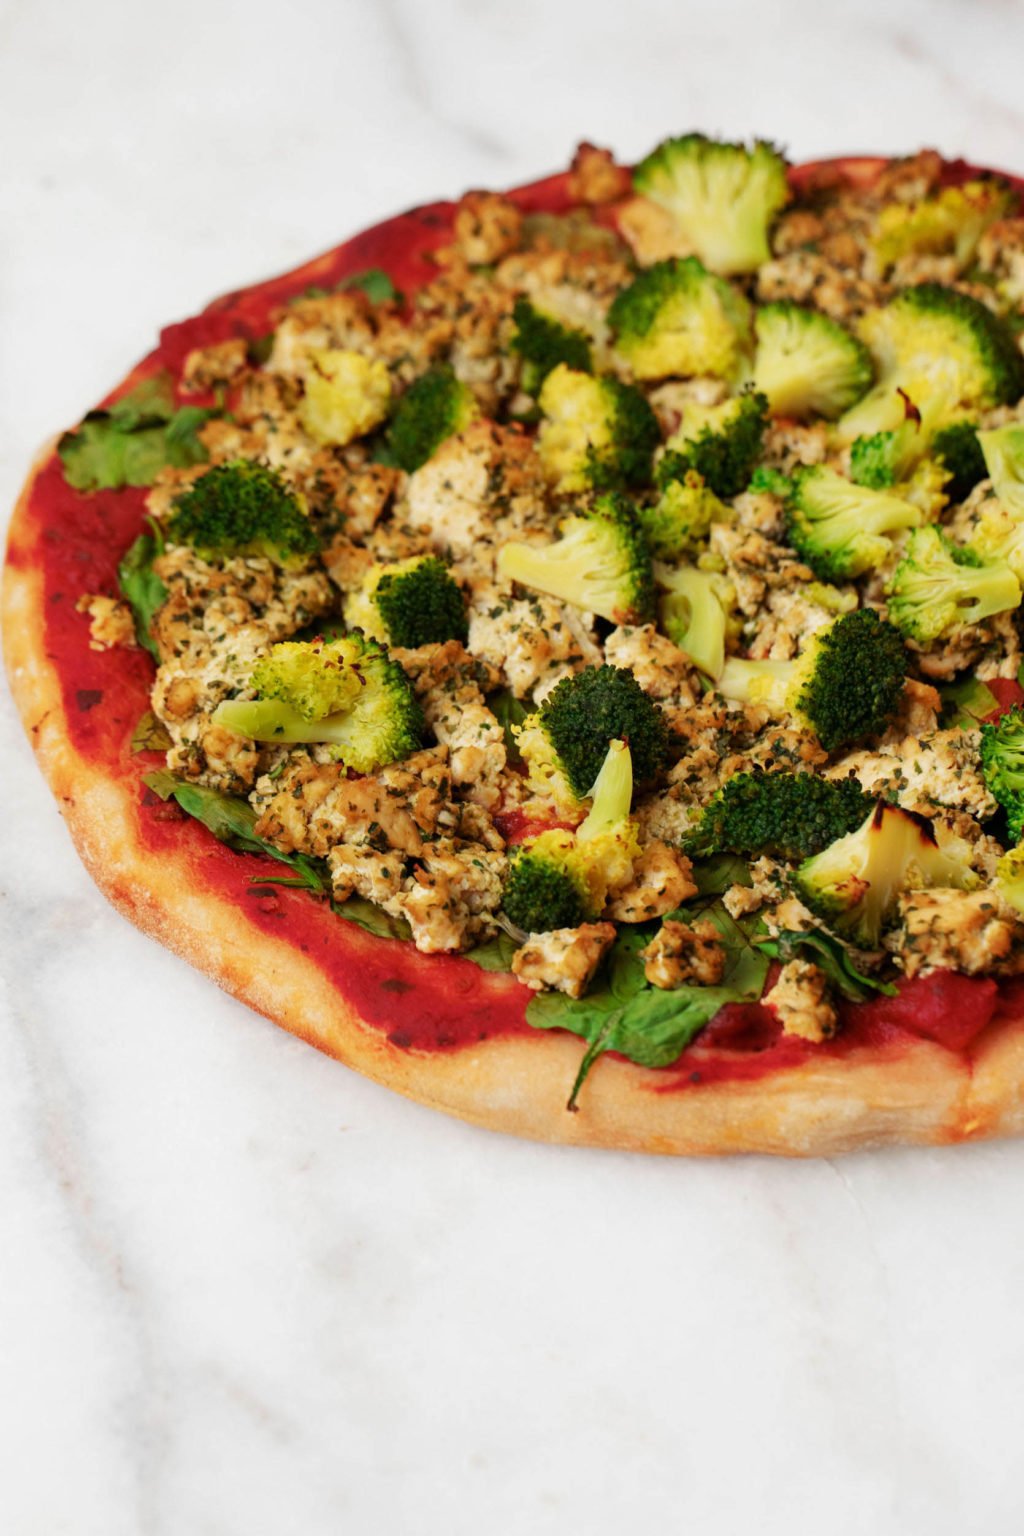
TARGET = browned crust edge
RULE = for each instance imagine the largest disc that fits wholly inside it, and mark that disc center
(918, 1093)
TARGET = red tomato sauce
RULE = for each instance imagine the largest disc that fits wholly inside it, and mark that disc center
(420, 1002)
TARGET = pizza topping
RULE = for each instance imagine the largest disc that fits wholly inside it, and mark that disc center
(211, 367)
(487, 226)
(596, 433)
(600, 563)
(408, 603)
(676, 319)
(970, 931)
(807, 364)
(241, 508)
(565, 959)
(111, 621)
(133, 440)
(721, 443)
(345, 396)
(594, 176)
(801, 999)
(791, 815)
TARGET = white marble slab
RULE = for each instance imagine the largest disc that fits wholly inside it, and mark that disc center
(243, 1291)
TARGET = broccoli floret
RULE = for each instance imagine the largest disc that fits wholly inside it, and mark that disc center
(846, 686)
(346, 694)
(771, 481)
(950, 223)
(679, 522)
(936, 586)
(840, 528)
(561, 879)
(723, 197)
(693, 613)
(600, 563)
(677, 319)
(1010, 878)
(409, 603)
(435, 407)
(346, 395)
(940, 349)
(852, 885)
(790, 815)
(999, 538)
(241, 508)
(1003, 452)
(878, 461)
(1002, 763)
(543, 342)
(956, 447)
(564, 742)
(893, 461)
(721, 443)
(597, 434)
(807, 364)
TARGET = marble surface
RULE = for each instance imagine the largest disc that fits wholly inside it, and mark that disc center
(242, 1290)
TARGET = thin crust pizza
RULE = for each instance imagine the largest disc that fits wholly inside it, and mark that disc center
(558, 652)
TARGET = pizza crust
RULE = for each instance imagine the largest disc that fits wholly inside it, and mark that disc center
(911, 1092)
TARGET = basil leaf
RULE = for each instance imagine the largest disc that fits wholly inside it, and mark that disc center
(646, 1024)
(374, 919)
(132, 441)
(495, 953)
(714, 876)
(150, 735)
(829, 956)
(142, 588)
(375, 283)
(966, 702)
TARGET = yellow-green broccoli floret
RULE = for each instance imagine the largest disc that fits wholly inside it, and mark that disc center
(938, 585)
(853, 884)
(722, 443)
(565, 741)
(694, 611)
(597, 433)
(1002, 449)
(600, 563)
(680, 520)
(346, 694)
(942, 350)
(840, 529)
(1002, 764)
(1010, 878)
(435, 407)
(845, 687)
(950, 223)
(542, 342)
(676, 319)
(346, 395)
(722, 197)
(560, 879)
(242, 508)
(789, 815)
(408, 603)
(807, 364)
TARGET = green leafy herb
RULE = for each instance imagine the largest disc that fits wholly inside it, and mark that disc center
(508, 711)
(132, 441)
(829, 956)
(374, 919)
(374, 282)
(495, 953)
(142, 588)
(714, 876)
(966, 702)
(648, 1025)
(150, 735)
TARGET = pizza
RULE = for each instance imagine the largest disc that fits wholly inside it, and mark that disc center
(558, 651)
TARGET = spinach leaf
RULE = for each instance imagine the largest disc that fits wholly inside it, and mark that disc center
(142, 588)
(150, 735)
(132, 441)
(646, 1024)
(374, 919)
(829, 956)
(374, 282)
(965, 702)
(495, 953)
(714, 876)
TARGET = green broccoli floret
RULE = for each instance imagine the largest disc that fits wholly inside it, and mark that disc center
(942, 350)
(600, 562)
(564, 742)
(435, 407)
(878, 461)
(676, 319)
(957, 449)
(723, 197)
(1003, 452)
(241, 508)
(845, 687)
(950, 223)
(773, 481)
(679, 522)
(840, 528)
(543, 342)
(345, 693)
(807, 364)
(790, 815)
(694, 614)
(852, 885)
(1002, 763)
(937, 586)
(408, 603)
(560, 879)
(597, 434)
(721, 443)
